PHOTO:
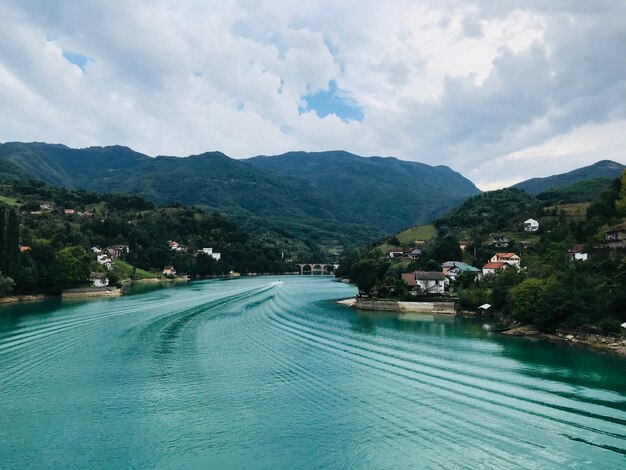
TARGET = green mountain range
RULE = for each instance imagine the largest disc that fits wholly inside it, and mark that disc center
(384, 194)
(604, 169)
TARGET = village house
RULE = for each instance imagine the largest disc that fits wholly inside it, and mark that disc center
(431, 282)
(99, 279)
(209, 252)
(45, 206)
(413, 253)
(463, 244)
(578, 253)
(177, 247)
(96, 249)
(116, 251)
(501, 241)
(69, 211)
(169, 271)
(616, 236)
(103, 259)
(451, 269)
(24, 248)
(396, 252)
(493, 267)
(508, 258)
(531, 225)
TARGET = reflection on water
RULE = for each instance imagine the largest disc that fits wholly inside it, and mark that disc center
(253, 373)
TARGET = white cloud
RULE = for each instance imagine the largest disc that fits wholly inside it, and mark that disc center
(485, 87)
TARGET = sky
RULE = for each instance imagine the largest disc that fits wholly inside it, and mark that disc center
(500, 91)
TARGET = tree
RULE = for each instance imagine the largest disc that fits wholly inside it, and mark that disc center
(6, 285)
(527, 298)
(12, 241)
(446, 248)
(74, 263)
(364, 274)
(3, 256)
(620, 203)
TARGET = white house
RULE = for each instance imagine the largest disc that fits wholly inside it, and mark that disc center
(616, 236)
(396, 252)
(531, 225)
(577, 253)
(508, 258)
(413, 253)
(211, 253)
(493, 267)
(451, 269)
(169, 271)
(99, 279)
(103, 258)
(432, 282)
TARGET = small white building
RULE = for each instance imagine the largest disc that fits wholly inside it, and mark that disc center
(578, 253)
(169, 271)
(414, 253)
(396, 252)
(431, 282)
(531, 225)
(99, 279)
(211, 253)
(103, 259)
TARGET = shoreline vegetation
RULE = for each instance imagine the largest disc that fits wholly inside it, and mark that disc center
(100, 292)
(608, 343)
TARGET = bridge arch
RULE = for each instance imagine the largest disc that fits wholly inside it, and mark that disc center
(316, 268)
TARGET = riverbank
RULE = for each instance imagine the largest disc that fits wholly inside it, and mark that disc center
(431, 307)
(22, 298)
(614, 344)
(91, 292)
(611, 343)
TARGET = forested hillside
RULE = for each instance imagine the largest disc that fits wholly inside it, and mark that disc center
(385, 192)
(570, 275)
(47, 235)
(605, 169)
(287, 192)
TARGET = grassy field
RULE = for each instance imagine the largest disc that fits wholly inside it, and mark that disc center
(139, 273)
(419, 232)
(569, 210)
(9, 201)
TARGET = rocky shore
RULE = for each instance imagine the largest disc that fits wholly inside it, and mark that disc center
(613, 343)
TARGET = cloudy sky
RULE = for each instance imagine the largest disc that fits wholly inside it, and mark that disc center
(498, 90)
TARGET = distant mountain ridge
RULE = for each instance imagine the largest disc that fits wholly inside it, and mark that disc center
(606, 169)
(296, 189)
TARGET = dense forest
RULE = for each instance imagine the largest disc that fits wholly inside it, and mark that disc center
(47, 236)
(550, 290)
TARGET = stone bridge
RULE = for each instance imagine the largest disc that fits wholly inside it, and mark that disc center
(315, 268)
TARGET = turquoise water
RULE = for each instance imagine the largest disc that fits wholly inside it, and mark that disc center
(253, 373)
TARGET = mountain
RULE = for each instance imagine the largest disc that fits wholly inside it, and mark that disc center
(490, 212)
(385, 192)
(299, 190)
(581, 191)
(602, 169)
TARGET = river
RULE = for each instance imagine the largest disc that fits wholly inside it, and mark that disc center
(257, 373)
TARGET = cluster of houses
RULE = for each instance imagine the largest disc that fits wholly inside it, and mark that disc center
(79, 213)
(106, 256)
(405, 253)
(177, 247)
(436, 282)
(614, 239)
